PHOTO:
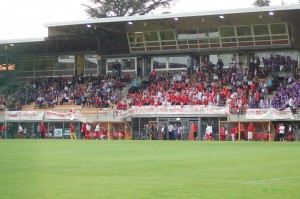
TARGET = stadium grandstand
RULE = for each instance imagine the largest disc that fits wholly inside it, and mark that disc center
(213, 75)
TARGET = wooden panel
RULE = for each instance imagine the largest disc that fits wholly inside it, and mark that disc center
(153, 48)
(204, 45)
(249, 43)
(183, 46)
(169, 47)
(280, 42)
(263, 43)
(229, 45)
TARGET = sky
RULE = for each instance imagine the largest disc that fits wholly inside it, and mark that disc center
(21, 19)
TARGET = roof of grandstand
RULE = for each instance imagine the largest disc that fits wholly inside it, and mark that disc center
(107, 36)
(180, 15)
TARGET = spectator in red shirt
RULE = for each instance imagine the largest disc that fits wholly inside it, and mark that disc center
(222, 133)
(3, 131)
(83, 130)
(233, 132)
(104, 134)
(43, 130)
(72, 131)
(250, 131)
(121, 134)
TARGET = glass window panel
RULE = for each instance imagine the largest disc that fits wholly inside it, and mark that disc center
(227, 31)
(279, 37)
(243, 31)
(261, 30)
(193, 42)
(203, 33)
(229, 40)
(168, 43)
(44, 64)
(111, 62)
(159, 62)
(90, 61)
(182, 42)
(213, 33)
(226, 58)
(150, 36)
(152, 44)
(203, 41)
(26, 65)
(65, 62)
(167, 35)
(192, 34)
(128, 64)
(245, 39)
(181, 34)
(278, 29)
(65, 72)
(24, 74)
(262, 38)
(178, 62)
(131, 37)
(138, 37)
(214, 41)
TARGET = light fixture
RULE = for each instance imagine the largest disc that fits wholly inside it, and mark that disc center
(260, 16)
(176, 19)
(203, 20)
(222, 17)
(178, 118)
(12, 45)
(271, 13)
(89, 25)
(130, 22)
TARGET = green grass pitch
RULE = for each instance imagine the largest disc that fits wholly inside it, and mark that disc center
(148, 169)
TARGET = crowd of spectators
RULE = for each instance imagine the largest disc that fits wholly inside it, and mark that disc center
(279, 63)
(239, 88)
(99, 91)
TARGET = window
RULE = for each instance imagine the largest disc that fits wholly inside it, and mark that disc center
(44, 64)
(128, 64)
(192, 35)
(150, 36)
(182, 35)
(227, 31)
(278, 29)
(203, 35)
(90, 61)
(26, 65)
(243, 31)
(178, 62)
(167, 35)
(159, 62)
(66, 62)
(111, 62)
(261, 30)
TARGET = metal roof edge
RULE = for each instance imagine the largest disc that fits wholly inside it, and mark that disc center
(22, 40)
(172, 15)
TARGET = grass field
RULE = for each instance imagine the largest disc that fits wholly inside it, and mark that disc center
(148, 169)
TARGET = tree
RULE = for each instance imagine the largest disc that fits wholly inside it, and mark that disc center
(260, 3)
(112, 8)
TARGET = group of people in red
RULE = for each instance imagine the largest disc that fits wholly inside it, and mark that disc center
(22, 131)
(240, 91)
(100, 133)
(237, 132)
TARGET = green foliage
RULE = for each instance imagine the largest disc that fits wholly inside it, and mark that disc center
(111, 8)
(261, 3)
(148, 169)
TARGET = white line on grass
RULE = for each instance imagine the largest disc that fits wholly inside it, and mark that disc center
(268, 180)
